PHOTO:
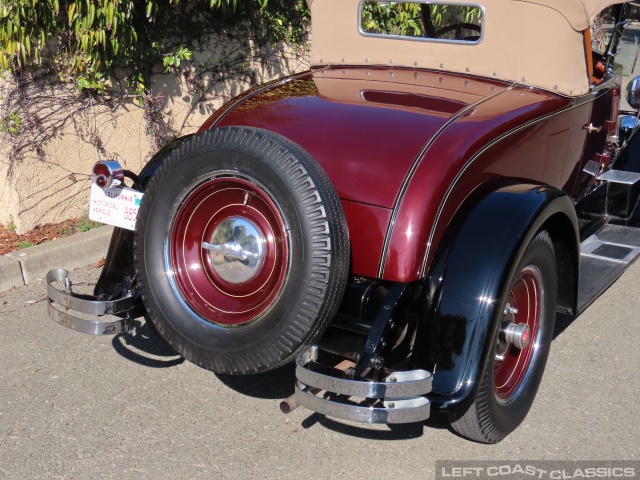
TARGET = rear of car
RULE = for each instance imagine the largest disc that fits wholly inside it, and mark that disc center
(403, 221)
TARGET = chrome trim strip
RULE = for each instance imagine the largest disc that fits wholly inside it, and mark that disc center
(414, 166)
(91, 327)
(400, 394)
(594, 92)
(86, 305)
(407, 410)
(466, 166)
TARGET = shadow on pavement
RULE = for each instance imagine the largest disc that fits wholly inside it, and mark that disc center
(276, 384)
(393, 432)
(563, 322)
(144, 345)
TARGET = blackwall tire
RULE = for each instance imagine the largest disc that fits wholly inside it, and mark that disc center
(510, 380)
(241, 250)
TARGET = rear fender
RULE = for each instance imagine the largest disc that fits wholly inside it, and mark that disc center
(469, 281)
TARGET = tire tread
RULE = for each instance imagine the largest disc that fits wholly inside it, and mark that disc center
(477, 423)
(329, 240)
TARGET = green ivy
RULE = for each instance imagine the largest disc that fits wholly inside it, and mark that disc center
(174, 58)
(95, 36)
(11, 123)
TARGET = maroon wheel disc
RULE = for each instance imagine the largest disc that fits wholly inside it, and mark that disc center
(524, 307)
(228, 250)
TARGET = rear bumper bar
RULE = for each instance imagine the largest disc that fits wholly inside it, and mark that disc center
(88, 305)
(398, 399)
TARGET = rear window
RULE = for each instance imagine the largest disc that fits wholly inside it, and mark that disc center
(426, 21)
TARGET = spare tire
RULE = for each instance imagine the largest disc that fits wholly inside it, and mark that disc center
(241, 250)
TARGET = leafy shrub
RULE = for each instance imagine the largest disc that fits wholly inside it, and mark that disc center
(96, 36)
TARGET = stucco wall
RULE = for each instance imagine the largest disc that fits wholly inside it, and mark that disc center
(48, 181)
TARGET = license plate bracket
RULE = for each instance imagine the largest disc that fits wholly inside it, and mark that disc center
(114, 206)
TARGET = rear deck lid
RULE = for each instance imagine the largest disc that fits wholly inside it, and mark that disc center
(366, 127)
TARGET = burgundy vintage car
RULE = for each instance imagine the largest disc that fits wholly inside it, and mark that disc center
(404, 220)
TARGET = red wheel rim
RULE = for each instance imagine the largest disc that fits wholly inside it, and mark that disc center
(526, 297)
(211, 296)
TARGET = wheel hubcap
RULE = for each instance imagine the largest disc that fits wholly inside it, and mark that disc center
(237, 250)
(517, 340)
(228, 250)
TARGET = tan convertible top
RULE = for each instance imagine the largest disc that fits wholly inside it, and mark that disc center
(532, 42)
(579, 13)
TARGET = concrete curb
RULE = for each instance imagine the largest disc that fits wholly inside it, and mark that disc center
(25, 266)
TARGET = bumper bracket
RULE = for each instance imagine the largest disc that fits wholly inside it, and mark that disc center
(399, 398)
(87, 304)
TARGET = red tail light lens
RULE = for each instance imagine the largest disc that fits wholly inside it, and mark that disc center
(107, 174)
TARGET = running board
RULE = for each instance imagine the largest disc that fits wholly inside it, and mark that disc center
(604, 256)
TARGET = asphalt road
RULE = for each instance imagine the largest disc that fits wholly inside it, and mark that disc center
(74, 406)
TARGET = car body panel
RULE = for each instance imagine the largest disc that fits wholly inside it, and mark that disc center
(445, 164)
(367, 229)
(345, 119)
(429, 125)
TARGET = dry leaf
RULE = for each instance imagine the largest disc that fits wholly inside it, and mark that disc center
(31, 302)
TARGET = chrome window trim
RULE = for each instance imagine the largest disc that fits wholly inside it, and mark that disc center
(421, 39)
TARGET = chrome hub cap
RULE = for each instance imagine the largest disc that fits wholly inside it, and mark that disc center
(516, 334)
(236, 250)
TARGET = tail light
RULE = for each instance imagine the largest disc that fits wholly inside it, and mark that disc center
(107, 174)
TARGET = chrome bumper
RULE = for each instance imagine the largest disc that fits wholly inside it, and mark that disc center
(87, 304)
(397, 399)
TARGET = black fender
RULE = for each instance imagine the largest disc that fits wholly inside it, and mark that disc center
(469, 281)
(118, 273)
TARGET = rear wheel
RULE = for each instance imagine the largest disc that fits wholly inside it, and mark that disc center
(241, 248)
(519, 351)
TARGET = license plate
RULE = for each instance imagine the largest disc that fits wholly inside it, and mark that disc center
(114, 206)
